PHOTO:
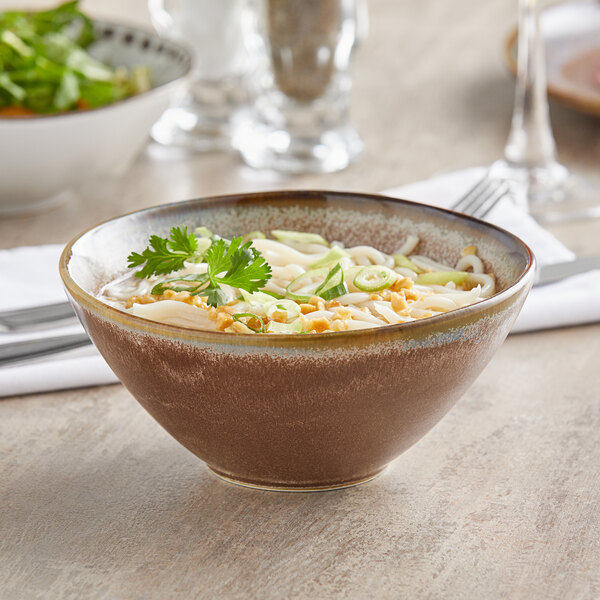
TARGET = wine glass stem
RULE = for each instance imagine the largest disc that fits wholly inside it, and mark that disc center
(530, 142)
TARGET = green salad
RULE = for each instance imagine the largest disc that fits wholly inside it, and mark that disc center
(45, 67)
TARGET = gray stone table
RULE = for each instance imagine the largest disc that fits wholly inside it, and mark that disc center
(500, 500)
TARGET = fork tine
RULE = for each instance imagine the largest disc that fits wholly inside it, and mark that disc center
(468, 196)
(488, 204)
(489, 188)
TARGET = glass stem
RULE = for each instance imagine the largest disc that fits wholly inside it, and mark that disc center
(530, 142)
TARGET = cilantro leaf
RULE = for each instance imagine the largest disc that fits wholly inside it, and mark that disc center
(164, 255)
(217, 257)
(215, 296)
(229, 263)
(244, 266)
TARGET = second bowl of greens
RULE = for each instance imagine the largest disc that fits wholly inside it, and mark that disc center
(77, 100)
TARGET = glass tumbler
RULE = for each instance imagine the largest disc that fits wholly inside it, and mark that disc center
(223, 37)
(299, 121)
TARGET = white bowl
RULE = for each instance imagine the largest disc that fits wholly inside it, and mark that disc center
(44, 156)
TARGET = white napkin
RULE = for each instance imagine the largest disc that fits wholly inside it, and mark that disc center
(571, 301)
(31, 274)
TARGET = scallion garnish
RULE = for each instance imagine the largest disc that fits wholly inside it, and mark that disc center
(249, 315)
(334, 284)
(291, 309)
(375, 278)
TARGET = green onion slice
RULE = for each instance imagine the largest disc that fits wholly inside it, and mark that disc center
(203, 232)
(442, 277)
(288, 306)
(374, 278)
(293, 327)
(334, 285)
(257, 298)
(335, 292)
(333, 256)
(249, 315)
(331, 286)
(253, 235)
(401, 260)
(202, 245)
(334, 277)
(304, 286)
(272, 294)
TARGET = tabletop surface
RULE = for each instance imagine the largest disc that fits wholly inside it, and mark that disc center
(500, 500)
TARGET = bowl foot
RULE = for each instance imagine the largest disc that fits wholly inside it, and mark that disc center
(282, 487)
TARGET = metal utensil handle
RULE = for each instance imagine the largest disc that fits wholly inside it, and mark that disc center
(20, 351)
(36, 315)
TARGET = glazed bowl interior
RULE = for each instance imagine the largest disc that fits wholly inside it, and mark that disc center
(100, 255)
(300, 412)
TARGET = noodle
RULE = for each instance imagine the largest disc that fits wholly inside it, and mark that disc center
(372, 289)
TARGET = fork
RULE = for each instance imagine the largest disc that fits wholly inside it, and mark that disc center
(482, 197)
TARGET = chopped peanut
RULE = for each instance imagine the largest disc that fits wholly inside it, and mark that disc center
(398, 302)
(339, 325)
(229, 309)
(318, 302)
(376, 297)
(223, 321)
(343, 313)
(320, 325)
(410, 295)
(240, 327)
(405, 283)
(280, 316)
(307, 308)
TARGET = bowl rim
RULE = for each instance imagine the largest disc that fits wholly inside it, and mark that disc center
(141, 324)
(181, 47)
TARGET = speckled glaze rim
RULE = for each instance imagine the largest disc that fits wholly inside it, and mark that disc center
(176, 46)
(94, 305)
(581, 103)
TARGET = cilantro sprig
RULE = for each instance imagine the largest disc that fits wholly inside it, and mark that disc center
(229, 263)
(165, 255)
(237, 265)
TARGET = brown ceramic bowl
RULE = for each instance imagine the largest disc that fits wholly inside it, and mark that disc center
(300, 412)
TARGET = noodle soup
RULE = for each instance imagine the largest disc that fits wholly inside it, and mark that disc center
(291, 283)
(278, 409)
